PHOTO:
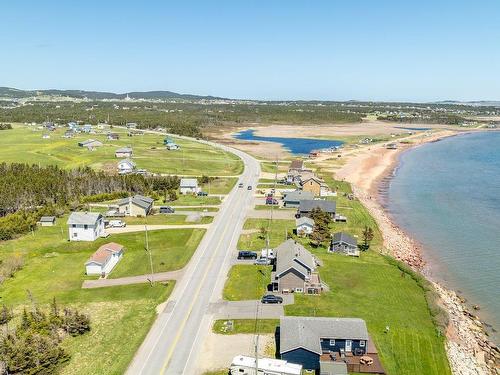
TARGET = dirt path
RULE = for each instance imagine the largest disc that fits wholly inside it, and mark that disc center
(141, 228)
(140, 279)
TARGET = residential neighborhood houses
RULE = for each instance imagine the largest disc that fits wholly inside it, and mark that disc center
(307, 205)
(293, 198)
(85, 226)
(126, 166)
(189, 186)
(344, 243)
(295, 270)
(138, 205)
(124, 152)
(104, 259)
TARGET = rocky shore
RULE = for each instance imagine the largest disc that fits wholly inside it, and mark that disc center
(469, 350)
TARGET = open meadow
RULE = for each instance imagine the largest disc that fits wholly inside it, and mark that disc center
(24, 144)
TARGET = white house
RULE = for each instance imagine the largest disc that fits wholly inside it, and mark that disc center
(104, 259)
(304, 225)
(126, 166)
(124, 152)
(85, 226)
(189, 186)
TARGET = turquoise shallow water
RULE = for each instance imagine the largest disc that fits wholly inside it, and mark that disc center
(447, 196)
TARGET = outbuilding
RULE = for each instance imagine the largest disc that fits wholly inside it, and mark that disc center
(104, 259)
(47, 221)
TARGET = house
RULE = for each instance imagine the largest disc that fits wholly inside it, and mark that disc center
(391, 146)
(315, 185)
(168, 141)
(243, 365)
(306, 206)
(124, 152)
(131, 125)
(293, 198)
(304, 225)
(126, 166)
(308, 341)
(172, 146)
(104, 259)
(344, 243)
(189, 186)
(295, 270)
(85, 226)
(113, 136)
(90, 143)
(47, 221)
(87, 128)
(138, 205)
(314, 154)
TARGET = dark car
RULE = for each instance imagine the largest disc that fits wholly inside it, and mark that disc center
(202, 193)
(249, 187)
(166, 210)
(247, 255)
(240, 185)
(270, 298)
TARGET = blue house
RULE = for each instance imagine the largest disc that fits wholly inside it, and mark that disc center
(306, 340)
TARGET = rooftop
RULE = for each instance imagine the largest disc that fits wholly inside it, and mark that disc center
(103, 253)
(344, 237)
(307, 205)
(189, 182)
(306, 332)
(292, 254)
(267, 364)
(85, 218)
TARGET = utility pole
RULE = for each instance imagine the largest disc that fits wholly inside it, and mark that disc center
(272, 203)
(148, 251)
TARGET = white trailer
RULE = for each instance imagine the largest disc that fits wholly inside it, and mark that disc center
(243, 365)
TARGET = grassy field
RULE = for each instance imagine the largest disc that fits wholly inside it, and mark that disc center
(246, 282)
(246, 326)
(254, 241)
(25, 144)
(270, 167)
(191, 200)
(54, 267)
(219, 185)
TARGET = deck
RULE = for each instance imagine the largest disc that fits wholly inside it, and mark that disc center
(353, 361)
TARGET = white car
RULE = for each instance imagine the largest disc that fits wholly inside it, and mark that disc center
(117, 224)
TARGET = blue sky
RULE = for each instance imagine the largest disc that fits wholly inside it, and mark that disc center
(332, 50)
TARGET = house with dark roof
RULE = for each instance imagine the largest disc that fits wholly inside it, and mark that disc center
(104, 259)
(344, 243)
(295, 270)
(85, 226)
(308, 341)
(138, 205)
(307, 205)
(293, 198)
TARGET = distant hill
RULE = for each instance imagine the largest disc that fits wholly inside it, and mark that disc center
(8, 92)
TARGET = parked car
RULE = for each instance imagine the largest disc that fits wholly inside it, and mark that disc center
(202, 193)
(117, 224)
(271, 298)
(249, 187)
(271, 201)
(262, 262)
(166, 210)
(240, 185)
(247, 255)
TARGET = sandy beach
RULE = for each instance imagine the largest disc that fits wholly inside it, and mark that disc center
(468, 347)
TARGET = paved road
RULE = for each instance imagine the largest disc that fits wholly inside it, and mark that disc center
(171, 345)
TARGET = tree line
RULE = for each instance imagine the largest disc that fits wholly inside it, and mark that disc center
(28, 192)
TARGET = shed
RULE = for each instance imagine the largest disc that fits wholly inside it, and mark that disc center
(47, 221)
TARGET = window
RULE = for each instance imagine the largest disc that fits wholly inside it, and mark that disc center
(362, 344)
(85, 226)
(73, 225)
(299, 290)
(332, 342)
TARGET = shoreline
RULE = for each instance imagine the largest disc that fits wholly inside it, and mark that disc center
(468, 347)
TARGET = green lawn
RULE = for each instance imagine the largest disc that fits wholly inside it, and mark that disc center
(254, 241)
(270, 167)
(170, 250)
(246, 282)
(246, 326)
(54, 267)
(219, 185)
(192, 200)
(25, 144)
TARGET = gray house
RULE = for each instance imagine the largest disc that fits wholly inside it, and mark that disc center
(344, 243)
(138, 205)
(309, 340)
(293, 198)
(306, 206)
(295, 270)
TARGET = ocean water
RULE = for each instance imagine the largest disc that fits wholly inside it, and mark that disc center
(297, 146)
(447, 196)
